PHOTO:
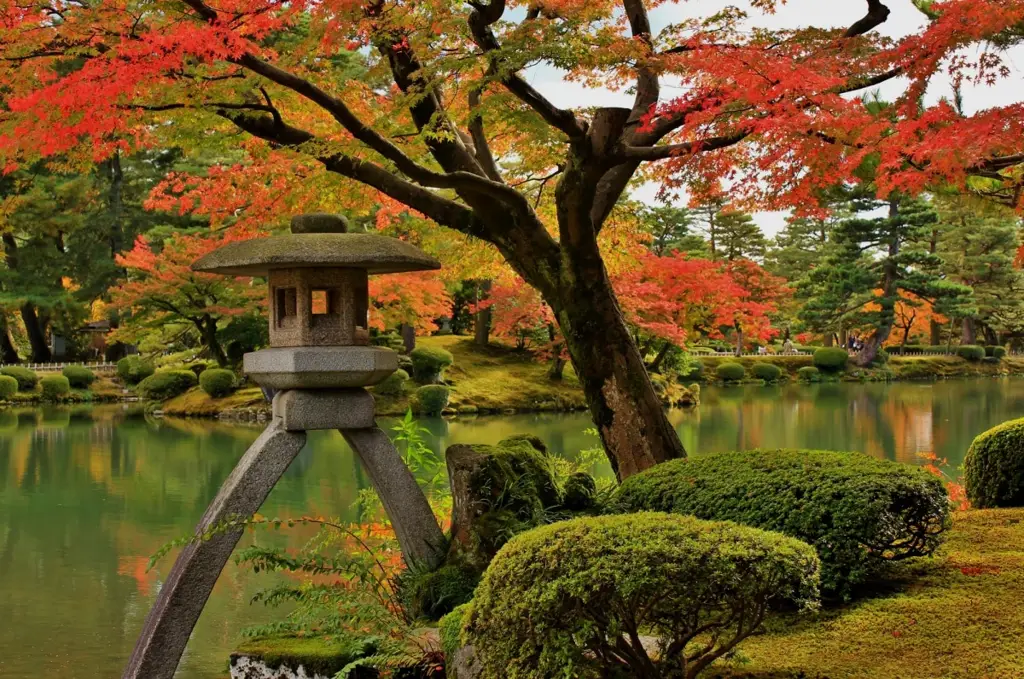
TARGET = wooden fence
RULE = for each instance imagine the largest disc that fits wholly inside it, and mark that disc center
(57, 367)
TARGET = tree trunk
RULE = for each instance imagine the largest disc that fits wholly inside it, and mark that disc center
(115, 199)
(482, 318)
(935, 333)
(208, 329)
(828, 340)
(969, 332)
(557, 362)
(991, 338)
(890, 281)
(739, 339)
(408, 333)
(844, 338)
(660, 358)
(8, 352)
(36, 334)
(627, 412)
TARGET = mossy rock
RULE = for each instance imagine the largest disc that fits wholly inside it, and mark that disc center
(317, 655)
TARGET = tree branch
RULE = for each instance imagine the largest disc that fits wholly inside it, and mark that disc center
(649, 153)
(876, 16)
(476, 130)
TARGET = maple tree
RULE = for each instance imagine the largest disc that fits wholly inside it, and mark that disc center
(162, 289)
(415, 299)
(445, 124)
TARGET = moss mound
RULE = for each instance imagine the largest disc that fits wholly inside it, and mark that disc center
(429, 363)
(731, 372)
(325, 656)
(994, 467)
(167, 384)
(432, 399)
(8, 387)
(55, 387)
(27, 380)
(831, 359)
(393, 384)
(809, 374)
(79, 376)
(217, 383)
(767, 372)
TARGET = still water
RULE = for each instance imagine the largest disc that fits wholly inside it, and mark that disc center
(87, 496)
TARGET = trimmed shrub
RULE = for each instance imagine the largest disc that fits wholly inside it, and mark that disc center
(8, 387)
(994, 467)
(580, 492)
(27, 380)
(55, 387)
(557, 600)
(767, 372)
(217, 382)
(79, 376)
(393, 384)
(132, 369)
(857, 511)
(809, 374)
(428, 364)
(995, 352)
(831, 359)
(730, 372)
(432, 399)
(167, 384)
(970, 352)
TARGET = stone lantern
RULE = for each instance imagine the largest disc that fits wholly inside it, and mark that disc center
(317, 366)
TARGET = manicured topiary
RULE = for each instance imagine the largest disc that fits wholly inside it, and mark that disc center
(994, 467)
(393, 384)
(730, 372)
(167, 384)
(995, 352)
(132, 369)
(579, 492)
(809, 374)
(432, 399)
(8, 387)
(428, 364)
(216, 382)
(856, 510)
(27, 380)
(55, 387)
(79, 376)
(970, 352)
(767, 372)
(570, 599)
(831, 359)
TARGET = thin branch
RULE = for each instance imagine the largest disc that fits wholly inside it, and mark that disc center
(876, 16)
(648, 153)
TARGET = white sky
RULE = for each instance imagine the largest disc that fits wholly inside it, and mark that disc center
(904, 20)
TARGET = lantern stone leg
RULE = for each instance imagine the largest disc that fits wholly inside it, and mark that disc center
(188, 586)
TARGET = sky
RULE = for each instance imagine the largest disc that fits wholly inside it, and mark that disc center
(904, 20)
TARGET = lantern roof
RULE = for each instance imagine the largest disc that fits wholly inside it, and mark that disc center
(375, 253)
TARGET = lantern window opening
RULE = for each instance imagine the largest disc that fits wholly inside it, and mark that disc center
(286, 306)
(324, 302)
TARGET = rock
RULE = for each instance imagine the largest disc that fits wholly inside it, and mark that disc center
(468, 410)
(464, 664)
(244, 667)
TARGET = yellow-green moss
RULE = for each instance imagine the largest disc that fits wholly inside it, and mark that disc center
(318, 655)
(197, 403)
(956, 616)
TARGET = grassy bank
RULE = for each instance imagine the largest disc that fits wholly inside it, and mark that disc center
(956, 616)
(103, 390)
(898, 368)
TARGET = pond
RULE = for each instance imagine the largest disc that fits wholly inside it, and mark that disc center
(87, 496)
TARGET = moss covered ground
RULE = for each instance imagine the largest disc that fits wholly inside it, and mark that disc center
(956, 616)
(323, 656)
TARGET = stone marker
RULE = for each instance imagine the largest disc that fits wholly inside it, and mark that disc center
(317, 367)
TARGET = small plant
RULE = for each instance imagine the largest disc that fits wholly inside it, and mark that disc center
(994, 467)
(393, 384)
(79, 376)
(432, 399)
(55, 387)
(578, 610)
(730, 372)
(809, 374)
(166, 384)
(132, 369)
(831, 359)
(411, 440)
(27, 380)
(429, 363)
(8, 387)
(216, 382)
(970, 352)
(767, 372)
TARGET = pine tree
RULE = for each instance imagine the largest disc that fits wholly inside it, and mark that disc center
(730, 234)
(672, 230)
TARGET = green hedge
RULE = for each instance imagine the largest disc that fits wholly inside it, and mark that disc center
(856, 510)
(767, 372)
(970, 352)
(166, 384)
(217, 382)
(809, 374)
(79, 376)
(8, 387)
(995, 352)
(132, 369)
(994, 467)
(27, 380)
(432, 399)
(55, 387)
(556, 601)
(831, 359)
(393, 384)
(428, 364)
(730, 372)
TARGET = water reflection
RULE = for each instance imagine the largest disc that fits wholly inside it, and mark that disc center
(87, 495)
